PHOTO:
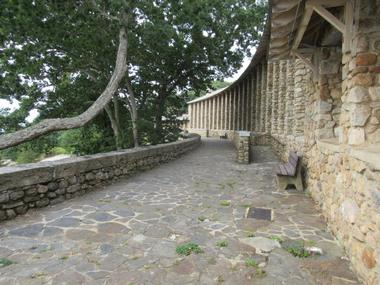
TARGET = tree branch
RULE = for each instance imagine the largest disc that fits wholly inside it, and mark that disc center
(50, 125)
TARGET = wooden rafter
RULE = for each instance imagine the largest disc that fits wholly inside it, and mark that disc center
(324, 13)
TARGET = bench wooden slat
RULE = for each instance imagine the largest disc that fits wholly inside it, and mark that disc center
(290, 169)
(281, 170)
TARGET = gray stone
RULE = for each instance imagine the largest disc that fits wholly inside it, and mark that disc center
(4, 197)
(42, 203)
(11, 213)
(358, 94)
(21, 209)
(28, 231)
(359, 115)
(65, 222)
(73, 188)
(323, 107)
(42, 189)
(31, 191)
(349, 210)
(3, 216)
(15, 195)
(329, 67)
(101, 217)
(13, 205)
(374, 93)
(52, 186)
(261, 244)
(356, 136)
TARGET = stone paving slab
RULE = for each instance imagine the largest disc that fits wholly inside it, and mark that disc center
(128, 232)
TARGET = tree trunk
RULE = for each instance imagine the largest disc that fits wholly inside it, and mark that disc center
(51, 125)
(134, 114)
(115, 124)
(160, 104)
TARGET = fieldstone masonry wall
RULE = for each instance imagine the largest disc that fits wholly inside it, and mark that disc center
(325, 105)
(41, 184)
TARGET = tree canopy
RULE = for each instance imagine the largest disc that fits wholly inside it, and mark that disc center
(59, 56)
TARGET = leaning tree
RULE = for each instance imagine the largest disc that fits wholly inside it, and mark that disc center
(73, 60)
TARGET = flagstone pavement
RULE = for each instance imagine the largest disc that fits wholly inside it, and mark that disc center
(128, 232)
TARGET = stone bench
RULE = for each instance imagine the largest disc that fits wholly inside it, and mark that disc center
(290, 173)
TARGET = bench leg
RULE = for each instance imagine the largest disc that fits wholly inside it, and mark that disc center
(282, 182)
(298, 183)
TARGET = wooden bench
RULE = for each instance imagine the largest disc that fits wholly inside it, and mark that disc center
(290, 173)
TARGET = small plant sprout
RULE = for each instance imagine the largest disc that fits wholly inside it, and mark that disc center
(225, 203)
(222, 243)
(5, 262)
(276, 238)
(188, 248)
(250, 262)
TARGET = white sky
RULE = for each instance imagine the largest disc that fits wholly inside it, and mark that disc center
(34, 113)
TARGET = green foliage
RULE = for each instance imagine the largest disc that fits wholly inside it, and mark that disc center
(202, 218)
(222, 243)
(5, 262)
(57, 57)
(225, 203)
(188, 248)
(277, 238)
(250, 262)
(296, 248)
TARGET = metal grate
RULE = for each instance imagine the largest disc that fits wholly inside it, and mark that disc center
(260, 213)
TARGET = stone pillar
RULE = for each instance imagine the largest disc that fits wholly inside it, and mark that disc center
(281, 97)
(288, 125)
(268, 102)
(263, 97)
(248, 91)
(258, 97)
(300, 90)
(230, 109)
(360, 118)
(225, 115)
(238, 105)
(275, 97)
(243, 147)
(253, 101)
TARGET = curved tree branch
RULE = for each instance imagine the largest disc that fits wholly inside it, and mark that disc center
(51, 125)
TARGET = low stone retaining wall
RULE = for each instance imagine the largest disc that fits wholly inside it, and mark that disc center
(241, 140)
(47, 183)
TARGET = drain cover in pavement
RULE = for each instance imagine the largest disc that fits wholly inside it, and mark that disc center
(260, 213)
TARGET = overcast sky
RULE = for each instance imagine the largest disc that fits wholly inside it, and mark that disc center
(33, 113)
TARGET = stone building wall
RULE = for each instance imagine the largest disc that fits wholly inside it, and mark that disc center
(325, 105)
(47, 183)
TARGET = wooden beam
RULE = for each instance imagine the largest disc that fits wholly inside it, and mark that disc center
(349, 25)
(305, 60)
(329, 17)
(328, 3)
(303, 25)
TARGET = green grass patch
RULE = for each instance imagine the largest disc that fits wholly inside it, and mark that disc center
(202, 218)
(251, 234)
(222, 243)
(225, 203)
(277, 238)
(296, 248)
(250, 262)
(188, 248)
(5, 262)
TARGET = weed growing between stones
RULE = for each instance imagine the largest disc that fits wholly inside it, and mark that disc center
(250, 262)
(251, 234)
(222, 243)
(188, 248)
(277, 238)
(225, 203)
(5, 262)
(202, 218)
(296, 248)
